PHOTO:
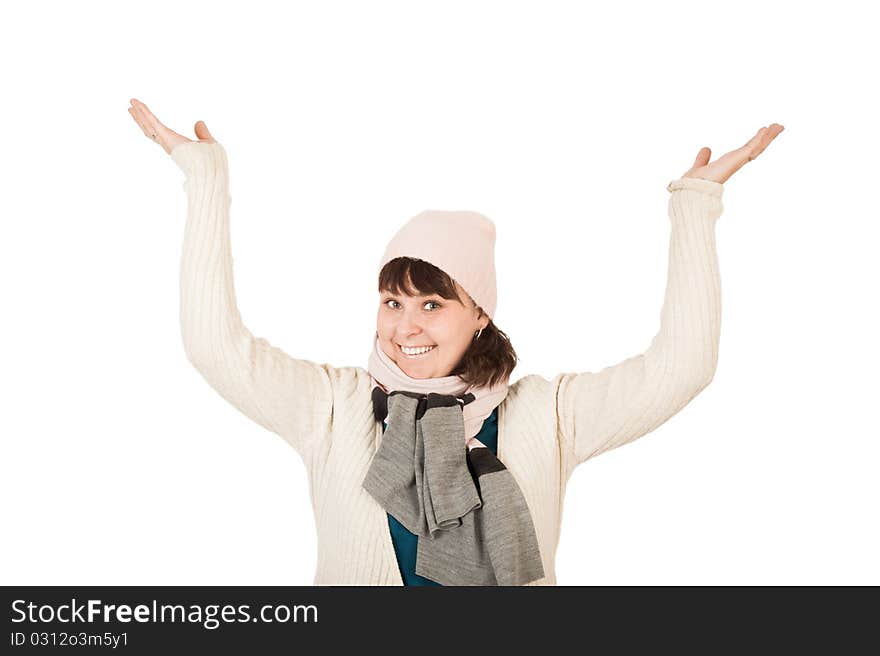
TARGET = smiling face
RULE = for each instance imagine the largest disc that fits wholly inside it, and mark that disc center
(447, 325)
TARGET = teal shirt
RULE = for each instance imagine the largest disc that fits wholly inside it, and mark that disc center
(406, 543)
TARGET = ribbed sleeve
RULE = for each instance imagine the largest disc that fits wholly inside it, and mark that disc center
(601, 411)
(290, 397)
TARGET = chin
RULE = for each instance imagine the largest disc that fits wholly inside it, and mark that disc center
(415, 371)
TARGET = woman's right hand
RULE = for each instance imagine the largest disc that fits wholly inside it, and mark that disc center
(165, 137)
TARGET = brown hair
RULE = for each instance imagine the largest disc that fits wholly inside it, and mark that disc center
(489, 359)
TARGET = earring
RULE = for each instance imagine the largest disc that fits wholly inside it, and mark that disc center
(479, 332)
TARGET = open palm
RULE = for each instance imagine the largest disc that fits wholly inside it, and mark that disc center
(726, 165)
(718, 171)
(164, 136)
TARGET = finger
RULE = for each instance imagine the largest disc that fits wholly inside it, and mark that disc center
(155, 126)
(165, 135)
(138, 120)
(202, 132)
(139, 117)
(769, 135)
(150, 124)
(733, 161)
(159, 133)
(754, 140)
(702, 157)
(149, 117)
(760, 141)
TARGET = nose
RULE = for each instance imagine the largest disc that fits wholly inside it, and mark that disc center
(408, 324)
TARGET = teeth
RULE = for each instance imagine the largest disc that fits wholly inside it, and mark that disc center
(415, 351)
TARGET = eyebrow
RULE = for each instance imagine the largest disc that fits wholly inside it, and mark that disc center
(388, 293)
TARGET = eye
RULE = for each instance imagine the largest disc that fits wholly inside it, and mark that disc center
(394, 307)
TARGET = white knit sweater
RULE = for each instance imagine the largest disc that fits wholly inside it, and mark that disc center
(545, 428)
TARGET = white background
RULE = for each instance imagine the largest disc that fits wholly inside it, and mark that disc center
(562, 122)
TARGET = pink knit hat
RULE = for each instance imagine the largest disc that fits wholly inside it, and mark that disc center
(459, 243)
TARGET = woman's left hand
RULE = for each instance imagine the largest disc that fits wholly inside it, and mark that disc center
(726, 165)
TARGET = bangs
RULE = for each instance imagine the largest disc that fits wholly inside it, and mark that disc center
(414, 277)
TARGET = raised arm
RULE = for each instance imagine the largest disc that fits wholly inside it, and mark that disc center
(290, 397)
(601, 411)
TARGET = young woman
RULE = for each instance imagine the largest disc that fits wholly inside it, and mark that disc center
(429, 467)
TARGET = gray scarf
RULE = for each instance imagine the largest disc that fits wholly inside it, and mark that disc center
(470, 516)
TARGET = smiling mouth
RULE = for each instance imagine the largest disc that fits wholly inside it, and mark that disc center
(417, 356)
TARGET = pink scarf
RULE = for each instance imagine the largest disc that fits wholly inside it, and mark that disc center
(386, 374)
